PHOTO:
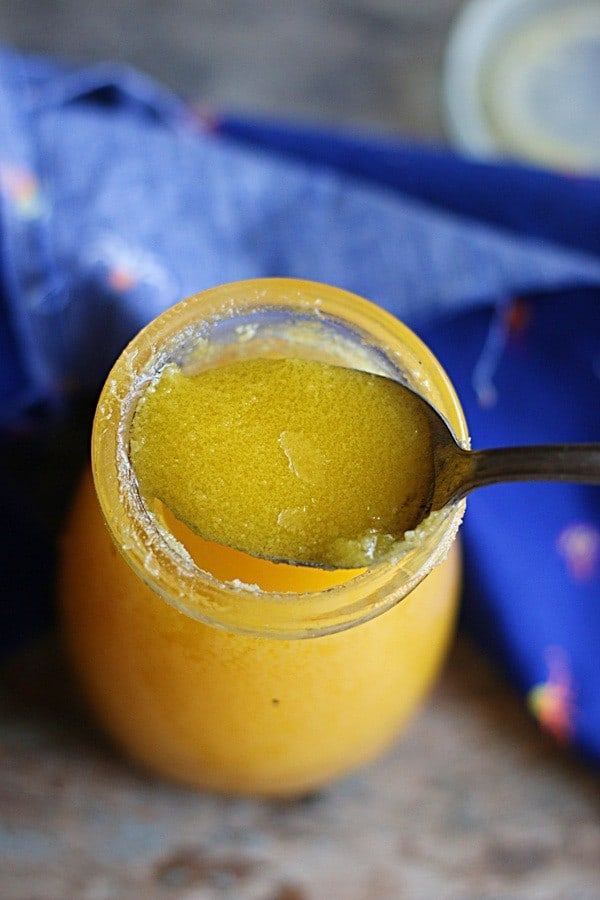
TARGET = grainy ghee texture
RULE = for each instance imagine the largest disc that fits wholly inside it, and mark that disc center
(289, 459)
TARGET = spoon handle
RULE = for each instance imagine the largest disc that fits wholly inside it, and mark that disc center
(552, 462)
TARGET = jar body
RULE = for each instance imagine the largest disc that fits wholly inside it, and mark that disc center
(222, 708)
(233, 712)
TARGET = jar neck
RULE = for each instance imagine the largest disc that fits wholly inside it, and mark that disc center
(262, 317)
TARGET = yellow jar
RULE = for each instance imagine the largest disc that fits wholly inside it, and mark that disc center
(235, 674)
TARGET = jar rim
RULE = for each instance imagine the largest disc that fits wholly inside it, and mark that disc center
(161, 561)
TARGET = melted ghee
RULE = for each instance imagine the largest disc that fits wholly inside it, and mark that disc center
(288, 459)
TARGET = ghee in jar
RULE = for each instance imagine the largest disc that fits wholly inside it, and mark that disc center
(213, 667)
(288, 459)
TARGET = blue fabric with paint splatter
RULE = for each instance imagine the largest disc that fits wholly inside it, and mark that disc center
(117, 201)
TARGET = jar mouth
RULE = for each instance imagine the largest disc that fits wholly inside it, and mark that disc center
(273, 317)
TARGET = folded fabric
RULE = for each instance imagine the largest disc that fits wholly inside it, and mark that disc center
(117, 200)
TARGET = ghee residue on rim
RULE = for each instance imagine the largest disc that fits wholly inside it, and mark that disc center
(289, 459)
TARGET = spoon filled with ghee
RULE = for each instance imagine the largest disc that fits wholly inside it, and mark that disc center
(309, 463)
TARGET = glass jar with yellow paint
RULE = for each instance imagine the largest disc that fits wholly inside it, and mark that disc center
(220, 669)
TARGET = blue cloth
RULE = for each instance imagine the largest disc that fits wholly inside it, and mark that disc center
(117, 200)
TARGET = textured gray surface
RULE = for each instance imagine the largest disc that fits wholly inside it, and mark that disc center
(372, 63)
(472, 802)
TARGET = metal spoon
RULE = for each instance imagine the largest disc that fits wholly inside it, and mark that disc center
(433, 472)
(457, 471)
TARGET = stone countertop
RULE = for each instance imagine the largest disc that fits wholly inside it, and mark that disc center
(471, 802)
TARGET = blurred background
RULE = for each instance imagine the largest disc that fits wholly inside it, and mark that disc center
(360, 64)
(365, 63)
